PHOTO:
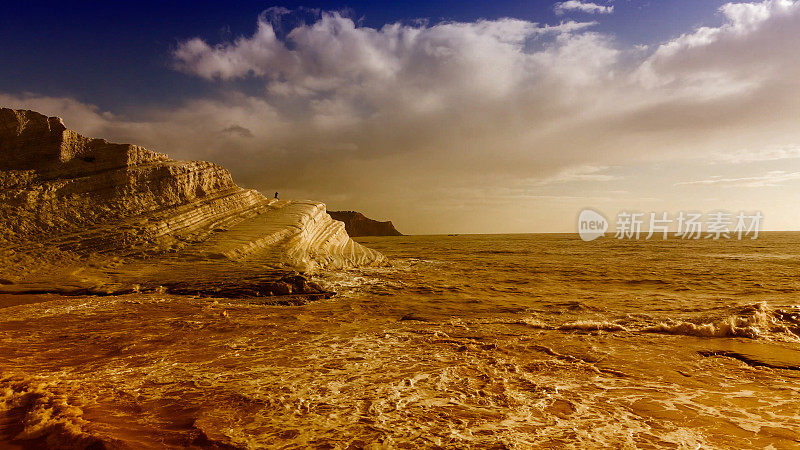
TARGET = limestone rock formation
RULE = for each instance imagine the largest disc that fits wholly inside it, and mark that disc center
(357, 224)
(89, 214)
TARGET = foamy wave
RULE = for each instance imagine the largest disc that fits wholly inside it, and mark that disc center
(40, 413)
(534, 323)
(578, 325)
(704, 329)
(754, 321)
(592, 325)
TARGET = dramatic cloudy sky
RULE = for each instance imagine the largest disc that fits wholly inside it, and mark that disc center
(453, 117)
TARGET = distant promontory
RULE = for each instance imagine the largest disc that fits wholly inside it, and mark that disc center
(356, 224)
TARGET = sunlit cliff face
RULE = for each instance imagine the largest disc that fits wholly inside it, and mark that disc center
(493, 125)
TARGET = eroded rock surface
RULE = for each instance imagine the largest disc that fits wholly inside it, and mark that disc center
(84, 214)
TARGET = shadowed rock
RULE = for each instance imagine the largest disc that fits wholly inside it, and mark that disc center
(357, 224)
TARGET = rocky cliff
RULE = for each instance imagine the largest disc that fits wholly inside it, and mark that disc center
(357, 224)
(89, 214)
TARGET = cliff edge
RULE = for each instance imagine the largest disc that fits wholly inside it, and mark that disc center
(81, 213)
(357, 224)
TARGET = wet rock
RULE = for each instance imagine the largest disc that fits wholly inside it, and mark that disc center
(281, 288)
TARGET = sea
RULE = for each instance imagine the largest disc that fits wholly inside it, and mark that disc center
(464, 342)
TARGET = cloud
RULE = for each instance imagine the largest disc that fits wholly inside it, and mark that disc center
(751, 47)
(578, 174)
(445, 96)
(585, 7)
(776, 153)
(335, 54)
(773, 178)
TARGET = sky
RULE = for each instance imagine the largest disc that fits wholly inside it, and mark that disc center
(444, 117)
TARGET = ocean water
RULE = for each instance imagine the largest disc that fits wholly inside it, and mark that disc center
(471, 341)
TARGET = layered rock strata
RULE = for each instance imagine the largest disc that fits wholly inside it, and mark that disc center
(84, 214)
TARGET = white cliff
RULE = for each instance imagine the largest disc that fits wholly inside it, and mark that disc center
(65, 199)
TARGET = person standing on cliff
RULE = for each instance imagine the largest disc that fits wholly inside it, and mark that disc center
(276, 195)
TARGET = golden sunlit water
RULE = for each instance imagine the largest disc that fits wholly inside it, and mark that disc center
(473, 341)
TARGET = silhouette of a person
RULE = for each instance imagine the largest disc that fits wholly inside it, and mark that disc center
(276, 195)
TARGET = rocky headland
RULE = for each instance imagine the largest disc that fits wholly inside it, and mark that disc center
(85, 216)
(356, 224)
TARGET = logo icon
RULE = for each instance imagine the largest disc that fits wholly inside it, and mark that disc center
(591, 225)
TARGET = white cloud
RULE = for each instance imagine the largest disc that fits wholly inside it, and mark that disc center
(585, 173)
(334, 55)
(775, 153)
(585, 7)
(752, 46)
(773, 178)
(435, 91)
